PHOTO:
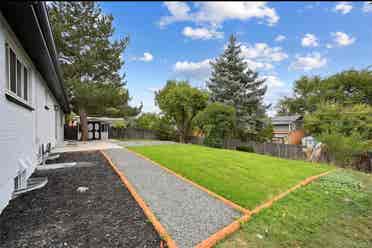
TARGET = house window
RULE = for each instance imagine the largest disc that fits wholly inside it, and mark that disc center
(25, 83)
(17, 75)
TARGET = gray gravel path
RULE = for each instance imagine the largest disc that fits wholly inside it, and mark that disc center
(188, 214)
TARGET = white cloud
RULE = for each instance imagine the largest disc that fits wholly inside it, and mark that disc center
(309, 40)
(263, 52)
(147, 57)
(193, 71)
(255, 65)
(215, 13)
(273, 81)
(342, 39)
(280, 38)
(343, 7)
(179, 12)
(257, 56)
(201, 33)
(262, 56)
(308, 62)
(367, 7)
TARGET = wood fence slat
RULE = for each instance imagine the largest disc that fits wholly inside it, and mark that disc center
(273, 149)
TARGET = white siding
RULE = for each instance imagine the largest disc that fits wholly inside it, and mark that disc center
(23, 131)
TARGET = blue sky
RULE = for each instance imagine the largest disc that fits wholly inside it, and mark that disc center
(282, 41)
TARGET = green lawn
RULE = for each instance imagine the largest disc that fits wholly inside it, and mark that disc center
(247, 179)
(334, 211)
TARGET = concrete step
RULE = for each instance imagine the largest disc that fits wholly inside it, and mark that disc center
(55, 166)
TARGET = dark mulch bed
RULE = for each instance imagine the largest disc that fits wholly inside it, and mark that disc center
(58, 216)
(87, 156)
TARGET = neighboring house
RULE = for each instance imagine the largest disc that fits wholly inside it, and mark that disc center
(32, 97)
(287, 129)
(98, 127)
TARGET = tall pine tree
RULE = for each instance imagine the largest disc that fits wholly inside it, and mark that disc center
(90, 60)
(233, 83)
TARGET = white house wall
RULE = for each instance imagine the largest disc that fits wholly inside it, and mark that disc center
(23, 131)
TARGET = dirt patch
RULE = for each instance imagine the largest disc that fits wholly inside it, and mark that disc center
(58, 215)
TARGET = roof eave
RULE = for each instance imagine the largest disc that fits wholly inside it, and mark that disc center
(29, 22)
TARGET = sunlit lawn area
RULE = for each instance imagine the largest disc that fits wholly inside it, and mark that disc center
(247, 179)
(333, 211)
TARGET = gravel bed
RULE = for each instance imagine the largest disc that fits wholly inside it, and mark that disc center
(59, 216)
(189, 214)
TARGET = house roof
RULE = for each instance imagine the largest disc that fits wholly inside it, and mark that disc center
(285, 119)
(29, 21)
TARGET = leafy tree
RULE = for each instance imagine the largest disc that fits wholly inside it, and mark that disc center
(349, 87)
(266, 133)
(217, 121)
(307, 92)
(346, 88)
(181, 102)
(344, 120)
(165, 128)
(90, 60)
(163, 125)
(234, 84)
(119, 124)
(346, 130)
(148, 121)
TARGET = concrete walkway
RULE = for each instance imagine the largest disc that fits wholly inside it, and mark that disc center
(189, 214)
(128, 143)
(78, 146)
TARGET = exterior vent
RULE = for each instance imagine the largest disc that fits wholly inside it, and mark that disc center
(49, 147)
(20, 181)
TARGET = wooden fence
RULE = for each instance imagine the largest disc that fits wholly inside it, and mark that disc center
(277, 150)
(131, 133)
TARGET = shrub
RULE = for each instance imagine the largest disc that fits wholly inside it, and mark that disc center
(217, 121)
(165, 129)
(147, 121)
(245, 148)
(214, 139)
(346, 130)
(344, 150)
(119, 124)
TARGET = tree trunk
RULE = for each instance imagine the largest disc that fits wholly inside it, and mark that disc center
(181, 134)
(182, 138)
(83, 124)
(184, 133)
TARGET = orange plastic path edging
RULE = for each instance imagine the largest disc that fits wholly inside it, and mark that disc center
(224, 200)
(281, 195)
(150, 215)
(234, 226)
(223, 233)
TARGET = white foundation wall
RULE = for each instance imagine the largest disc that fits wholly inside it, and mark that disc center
(22, 131)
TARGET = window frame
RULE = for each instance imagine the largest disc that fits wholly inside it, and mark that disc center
(20, 97)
